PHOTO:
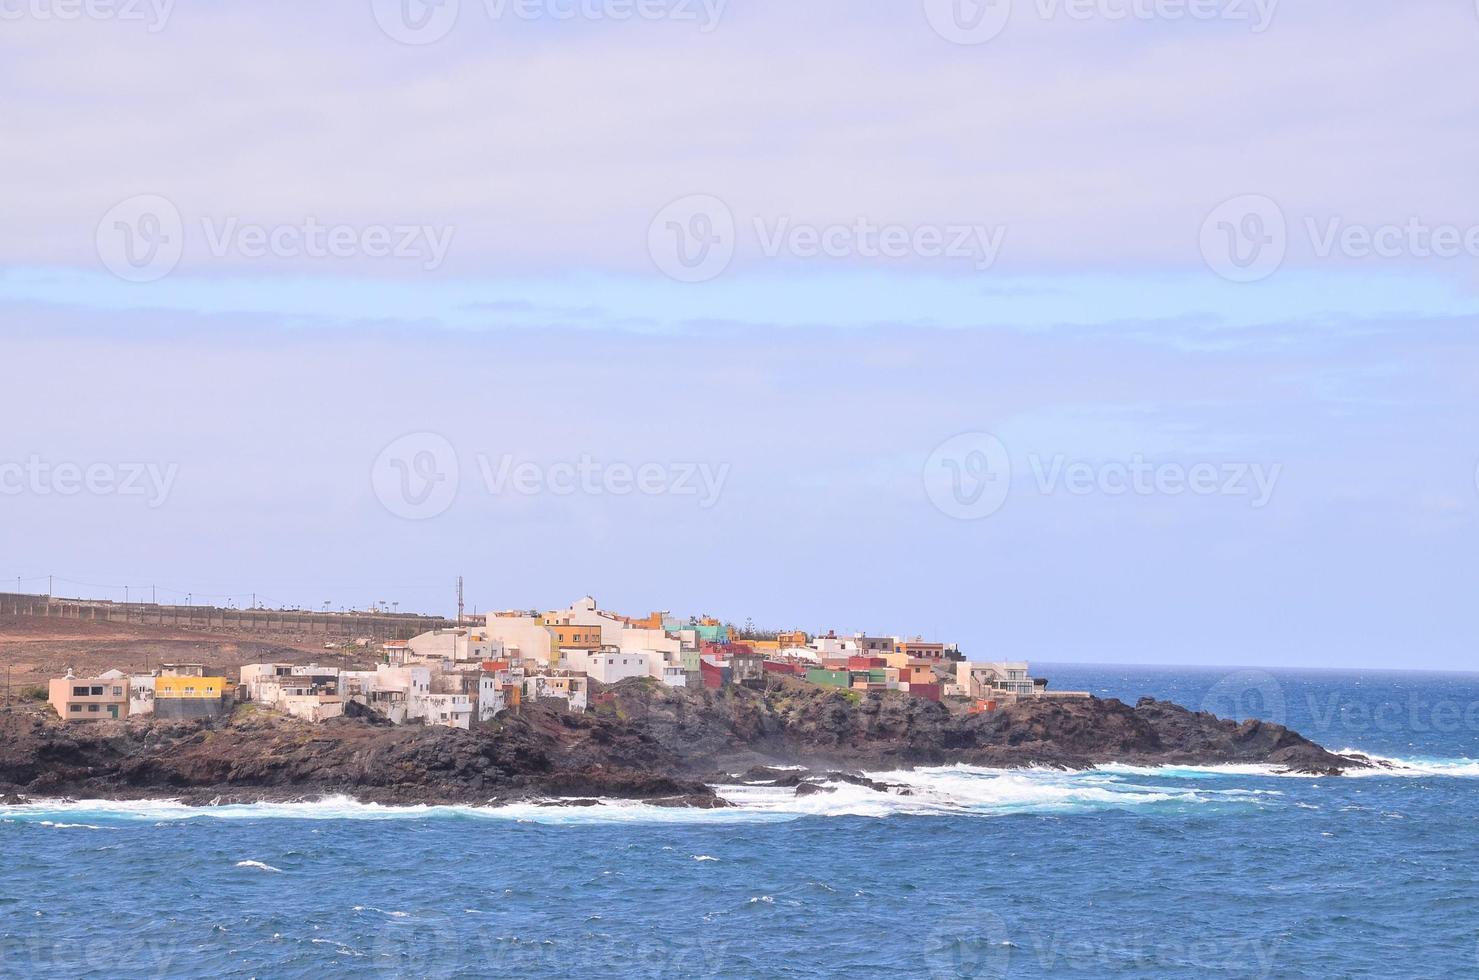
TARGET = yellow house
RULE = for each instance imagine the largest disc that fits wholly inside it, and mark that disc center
(191, 697)
(189, 687)
(898, 661)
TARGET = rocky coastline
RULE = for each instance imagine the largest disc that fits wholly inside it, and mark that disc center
(640, 741)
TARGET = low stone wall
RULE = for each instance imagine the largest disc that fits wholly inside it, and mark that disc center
(314, 625)
(189, 709)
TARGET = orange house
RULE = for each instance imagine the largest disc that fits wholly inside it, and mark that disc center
(917, 649)
(651, 622)
(571, 637)
(917, 672)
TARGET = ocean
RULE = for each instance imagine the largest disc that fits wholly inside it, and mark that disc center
(1119, 871)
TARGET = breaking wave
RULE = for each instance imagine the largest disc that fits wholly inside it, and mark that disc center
(259, 865)
(937, 791)
(1417, 766)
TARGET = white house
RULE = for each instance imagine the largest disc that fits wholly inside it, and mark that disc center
(610, 665)
(140, 694)
(834, 646)
(140, 690)
(994, 679)
(460, 645)
(313, 707)
(662, 651)
(452, 710)
(524, 637)
(573, 689)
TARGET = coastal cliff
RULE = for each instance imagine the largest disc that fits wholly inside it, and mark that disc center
(640, 741)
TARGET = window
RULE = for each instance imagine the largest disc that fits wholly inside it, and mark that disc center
(76, 707)
(92, 707)
(98, 690)
(117, 692)
(79, 692)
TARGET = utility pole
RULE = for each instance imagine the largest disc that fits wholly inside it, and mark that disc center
(48, 586)
(459, 600)
(153, 595)
(7, 685)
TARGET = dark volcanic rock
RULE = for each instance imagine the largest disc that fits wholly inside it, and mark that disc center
(646, 742)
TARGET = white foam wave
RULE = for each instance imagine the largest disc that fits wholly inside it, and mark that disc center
(259, 865)
(1202, 772)
(941, 790)
(1418, 766)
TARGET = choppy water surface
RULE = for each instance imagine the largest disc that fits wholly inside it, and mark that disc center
(1231, 871)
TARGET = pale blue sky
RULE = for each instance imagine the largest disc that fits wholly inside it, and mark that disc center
(818, 393)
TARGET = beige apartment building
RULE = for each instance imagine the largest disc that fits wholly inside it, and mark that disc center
(89, 698)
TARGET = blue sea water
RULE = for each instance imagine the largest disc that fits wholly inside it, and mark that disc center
(1120, 871)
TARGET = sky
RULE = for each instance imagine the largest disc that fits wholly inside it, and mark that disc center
(1067, 330)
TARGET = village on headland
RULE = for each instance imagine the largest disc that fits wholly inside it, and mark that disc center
(469, 673)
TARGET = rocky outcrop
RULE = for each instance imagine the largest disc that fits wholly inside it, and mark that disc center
(640, 741)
